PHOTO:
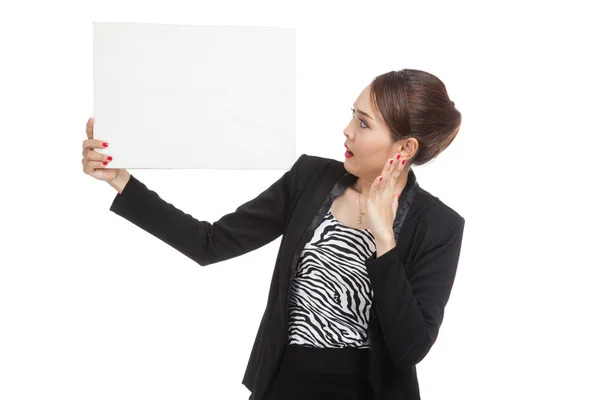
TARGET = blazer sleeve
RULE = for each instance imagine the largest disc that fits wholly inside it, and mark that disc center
(410, 311)
(252, 225)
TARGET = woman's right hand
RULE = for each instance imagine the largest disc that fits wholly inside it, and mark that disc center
(94, 163)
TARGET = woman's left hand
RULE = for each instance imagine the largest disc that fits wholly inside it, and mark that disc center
(382, 203)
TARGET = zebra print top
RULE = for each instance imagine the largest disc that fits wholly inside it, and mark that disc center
(331, 295)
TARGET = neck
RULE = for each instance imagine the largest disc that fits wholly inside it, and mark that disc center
(363, 185)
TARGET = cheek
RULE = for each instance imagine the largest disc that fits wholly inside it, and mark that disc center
(375, 157)
(370, 148)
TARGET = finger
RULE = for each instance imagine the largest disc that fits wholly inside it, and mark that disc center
(390, 173)
(89, 128)
(385, 174)
(89, 154)
(375, 187)
(94, 164)
(395, 204)
(389, 166)
(393, 179)
(94, 144)
(87, 168)
(395, 172)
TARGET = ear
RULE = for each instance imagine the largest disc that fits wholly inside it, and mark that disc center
(408, 148)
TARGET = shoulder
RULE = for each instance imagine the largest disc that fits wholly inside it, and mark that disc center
(437, 215)
(308, 161)
(309, 166)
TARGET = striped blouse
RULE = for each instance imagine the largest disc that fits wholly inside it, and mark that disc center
(331, 295)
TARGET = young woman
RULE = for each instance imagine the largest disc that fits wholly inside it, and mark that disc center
(367, 259)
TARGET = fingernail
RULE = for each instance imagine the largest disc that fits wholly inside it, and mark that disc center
(398, 157)
(380, 178)
(403, 161)
(391, 161)
(105, 144)
(105, 163)
(109, 158)
(399, 196)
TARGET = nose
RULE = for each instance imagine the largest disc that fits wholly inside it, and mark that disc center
(347, 131)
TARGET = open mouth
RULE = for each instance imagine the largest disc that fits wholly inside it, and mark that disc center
(349, 153)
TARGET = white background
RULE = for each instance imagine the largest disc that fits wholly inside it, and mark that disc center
(91, 307)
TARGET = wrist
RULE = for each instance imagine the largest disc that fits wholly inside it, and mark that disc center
(384, 243)
(120, 180)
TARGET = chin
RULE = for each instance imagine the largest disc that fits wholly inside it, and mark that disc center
(350, 169)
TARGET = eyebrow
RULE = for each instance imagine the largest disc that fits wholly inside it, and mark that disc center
(363, 113)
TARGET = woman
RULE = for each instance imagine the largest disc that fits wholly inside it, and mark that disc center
(367, 259)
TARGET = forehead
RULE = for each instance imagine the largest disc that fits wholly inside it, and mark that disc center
(363, 100)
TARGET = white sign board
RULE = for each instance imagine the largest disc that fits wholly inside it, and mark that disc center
(182, 96)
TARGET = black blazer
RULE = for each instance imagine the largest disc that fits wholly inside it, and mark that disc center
(411, 283)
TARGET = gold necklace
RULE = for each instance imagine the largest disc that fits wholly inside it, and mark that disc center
(360, 213)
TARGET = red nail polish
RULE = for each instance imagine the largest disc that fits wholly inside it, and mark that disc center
(398, 157)
(391, 161)
(403, 161)
(105, 163)
(105, 144)
(399, 196)
(380, 178)
(109, 158)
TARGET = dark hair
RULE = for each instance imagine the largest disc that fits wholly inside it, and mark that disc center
(415, 104)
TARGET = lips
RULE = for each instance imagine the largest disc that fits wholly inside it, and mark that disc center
(348, 148)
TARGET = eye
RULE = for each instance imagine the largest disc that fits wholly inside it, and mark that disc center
(362, 121)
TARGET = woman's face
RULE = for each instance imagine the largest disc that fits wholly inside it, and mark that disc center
(368, 140)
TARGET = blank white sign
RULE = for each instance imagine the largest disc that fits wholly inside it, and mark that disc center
(181, 96)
